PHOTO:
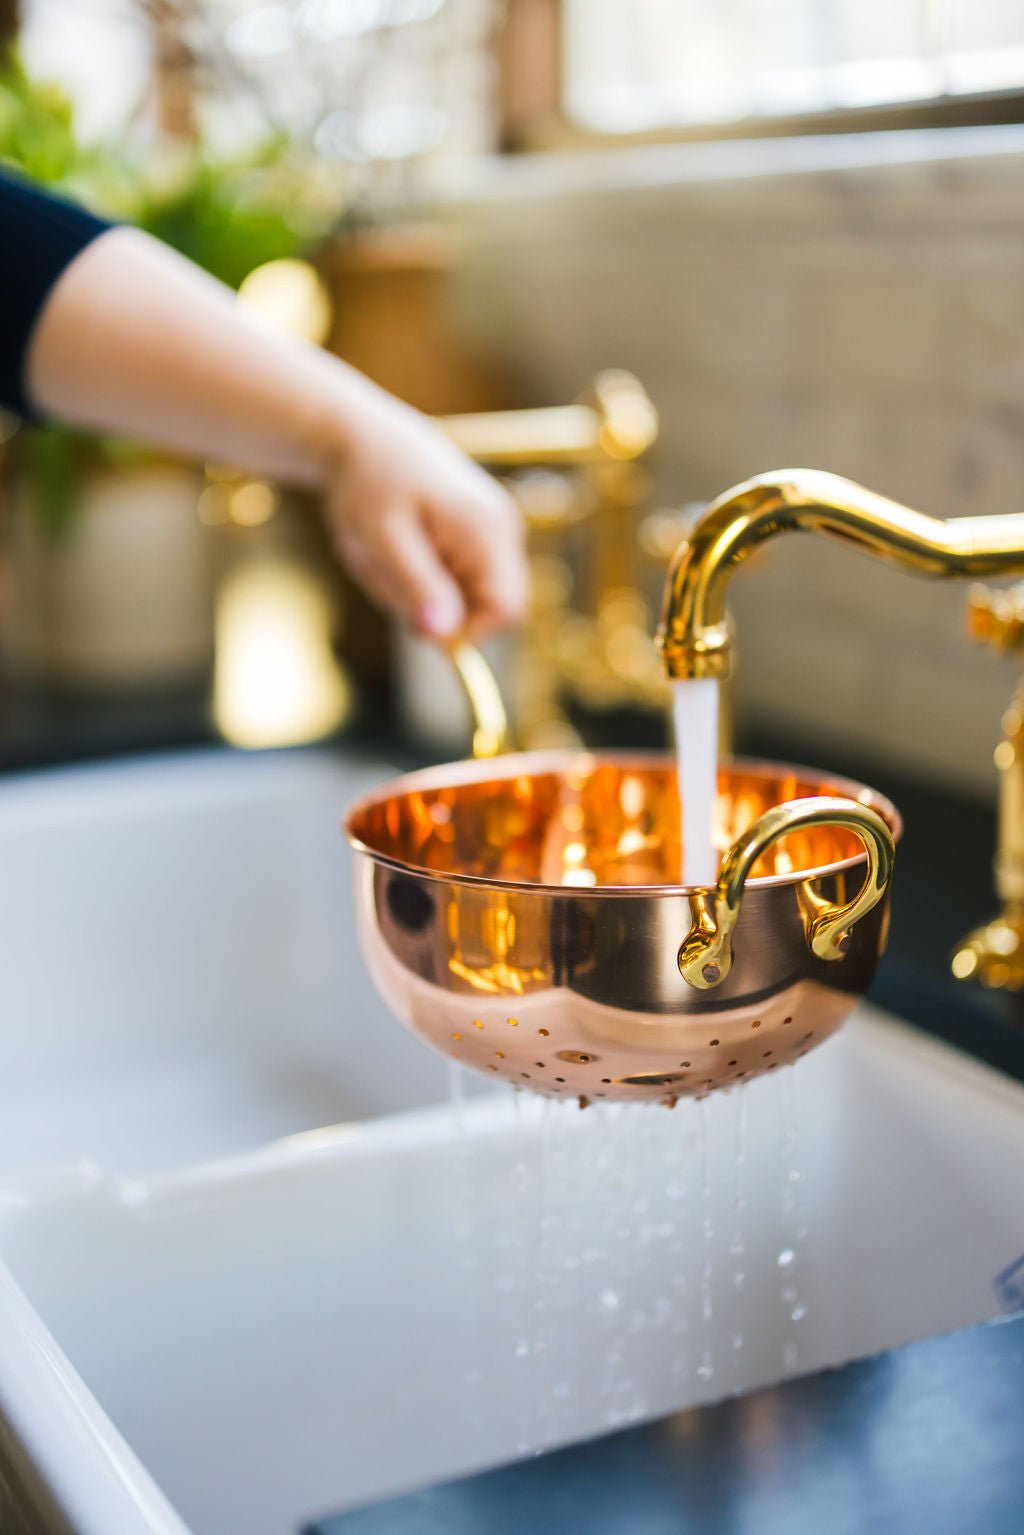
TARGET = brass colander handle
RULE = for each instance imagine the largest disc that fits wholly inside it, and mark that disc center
(705, 956)
(490, 721)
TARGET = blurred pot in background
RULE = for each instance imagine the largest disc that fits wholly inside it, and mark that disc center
(120, 597)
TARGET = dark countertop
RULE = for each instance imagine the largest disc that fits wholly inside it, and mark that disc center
(46, 727)
(924, 1440)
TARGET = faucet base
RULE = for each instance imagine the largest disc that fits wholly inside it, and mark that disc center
(994, 954)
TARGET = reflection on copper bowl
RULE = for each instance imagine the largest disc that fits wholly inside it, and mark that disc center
(524, 917)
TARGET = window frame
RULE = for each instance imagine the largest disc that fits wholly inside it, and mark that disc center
(532, 115)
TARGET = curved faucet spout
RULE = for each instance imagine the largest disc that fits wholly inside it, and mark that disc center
(694, 635)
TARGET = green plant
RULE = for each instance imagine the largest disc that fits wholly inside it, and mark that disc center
(36, 127)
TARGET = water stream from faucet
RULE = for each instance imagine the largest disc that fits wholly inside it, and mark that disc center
(695, 713)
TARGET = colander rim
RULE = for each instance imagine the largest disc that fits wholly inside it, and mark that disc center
(513, 765)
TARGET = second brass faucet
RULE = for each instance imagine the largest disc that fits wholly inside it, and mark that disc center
(695, 636)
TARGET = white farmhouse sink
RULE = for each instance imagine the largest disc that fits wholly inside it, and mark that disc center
(180, 972)
(345, 1316)
(219, 1318)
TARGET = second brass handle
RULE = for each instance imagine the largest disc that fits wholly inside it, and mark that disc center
(706, 954)
(490, 721)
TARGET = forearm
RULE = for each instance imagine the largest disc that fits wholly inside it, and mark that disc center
(132, 340)
(137, 342)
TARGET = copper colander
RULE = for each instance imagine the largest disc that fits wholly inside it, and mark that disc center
(523, 916)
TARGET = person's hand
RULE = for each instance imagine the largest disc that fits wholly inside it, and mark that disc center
(429, 535)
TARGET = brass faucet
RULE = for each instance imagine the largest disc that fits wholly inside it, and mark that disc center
(589, 637)
(994, 953)
(617, 422)
(695, 636)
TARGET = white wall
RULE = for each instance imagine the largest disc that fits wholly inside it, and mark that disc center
(853, 304)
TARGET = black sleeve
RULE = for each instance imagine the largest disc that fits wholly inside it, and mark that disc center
(39, 236)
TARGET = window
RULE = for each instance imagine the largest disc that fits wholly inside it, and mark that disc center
(639, 65)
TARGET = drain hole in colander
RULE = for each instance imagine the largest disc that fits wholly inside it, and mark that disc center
(576, 1057)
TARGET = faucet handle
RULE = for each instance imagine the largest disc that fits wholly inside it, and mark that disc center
(996, 617)
(629, 421)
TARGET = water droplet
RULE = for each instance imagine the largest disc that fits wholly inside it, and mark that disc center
(610, 1300)
(785, 1257)
(523, 1348)
(798, 1312)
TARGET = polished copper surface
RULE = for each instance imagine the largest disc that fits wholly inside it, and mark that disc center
(524, 917)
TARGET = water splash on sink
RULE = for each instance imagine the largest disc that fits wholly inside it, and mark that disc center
(738, 1241)
(466, 1246)
(652, 1233)
(706, 1364)
(792, 1226)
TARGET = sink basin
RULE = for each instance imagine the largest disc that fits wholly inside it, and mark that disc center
(238, 1347)
(181, 977)
(258, 1264)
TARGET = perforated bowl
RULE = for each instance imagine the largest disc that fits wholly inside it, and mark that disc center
(523, 916)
